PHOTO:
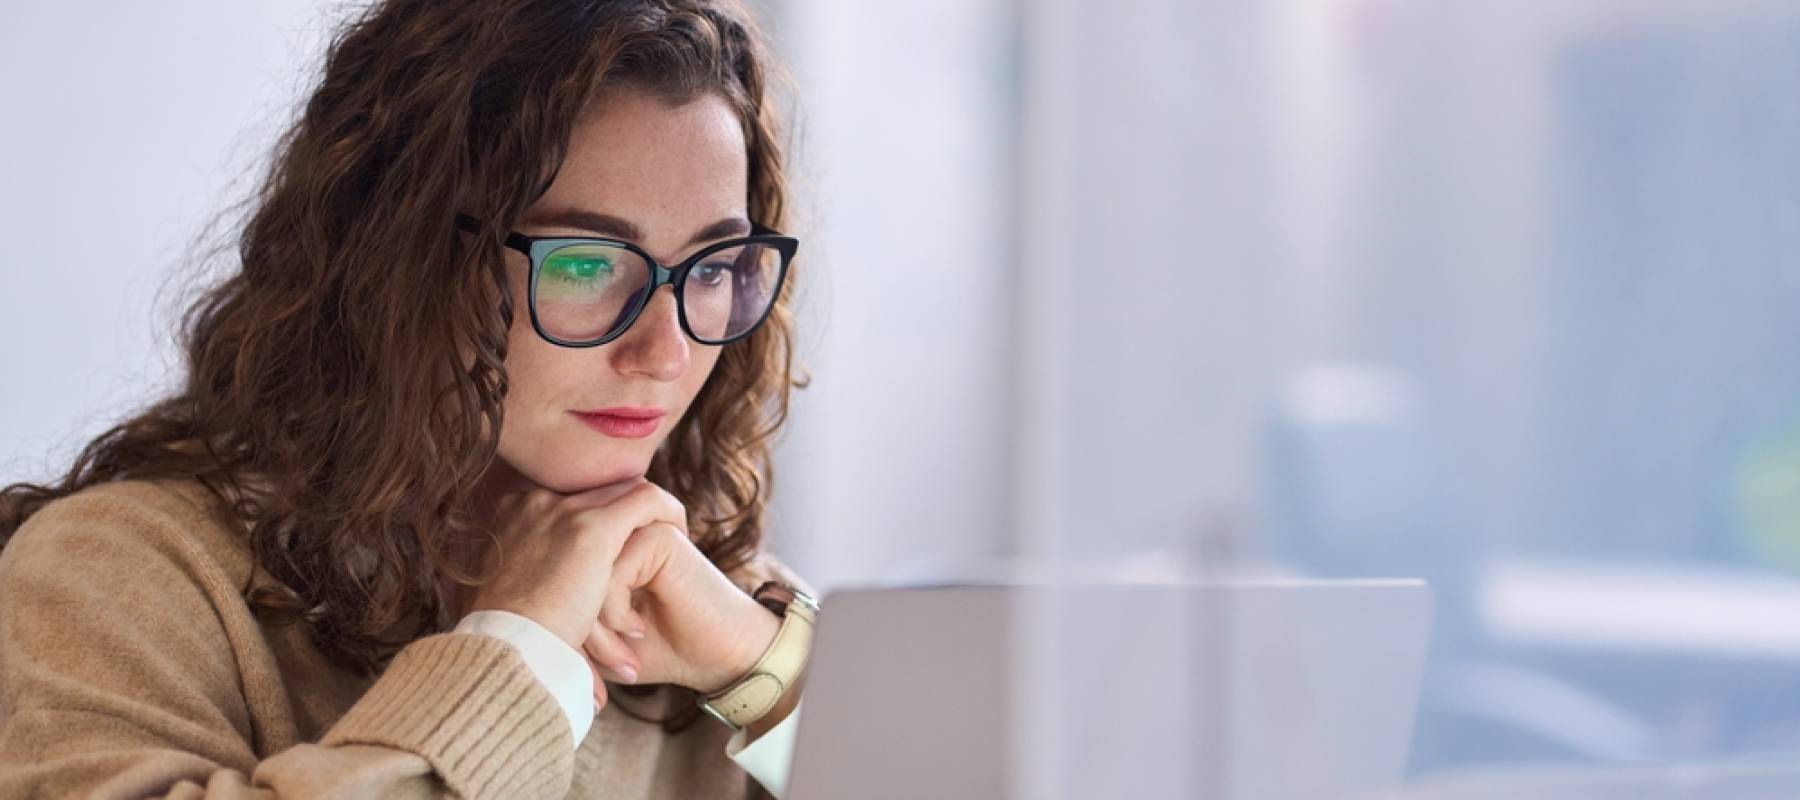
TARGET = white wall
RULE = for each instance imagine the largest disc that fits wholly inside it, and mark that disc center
(123, 129)
(899, 456)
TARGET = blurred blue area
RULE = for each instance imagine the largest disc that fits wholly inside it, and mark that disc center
(1667, 411)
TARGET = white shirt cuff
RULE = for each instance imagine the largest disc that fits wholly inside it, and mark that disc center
(769, 757)
(558, 666)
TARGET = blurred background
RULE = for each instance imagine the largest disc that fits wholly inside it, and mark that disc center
(1500, 295)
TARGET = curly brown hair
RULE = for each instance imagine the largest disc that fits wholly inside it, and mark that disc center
(344, 383)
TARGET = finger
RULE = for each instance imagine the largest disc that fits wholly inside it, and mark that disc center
(598, 534)
(618, 614)
(599, 687)
(649, 503)
(611, 654)
(677, 512)
(604, 494)
(642, 505)
(648, 550)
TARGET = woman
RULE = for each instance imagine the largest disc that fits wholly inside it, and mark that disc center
(455, 499)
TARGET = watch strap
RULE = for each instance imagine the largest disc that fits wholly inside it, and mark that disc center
(750, 697)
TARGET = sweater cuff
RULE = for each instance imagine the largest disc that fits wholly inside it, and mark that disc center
(558, 666)
(470, 706)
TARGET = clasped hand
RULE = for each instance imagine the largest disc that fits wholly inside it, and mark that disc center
(613, 572)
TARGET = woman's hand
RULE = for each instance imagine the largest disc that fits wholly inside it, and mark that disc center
(699, 630)
(556, 552)
(576, 563)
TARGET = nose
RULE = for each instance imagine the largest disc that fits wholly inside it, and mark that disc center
(654, 346)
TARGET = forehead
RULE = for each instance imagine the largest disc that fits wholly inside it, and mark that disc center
(671, 169)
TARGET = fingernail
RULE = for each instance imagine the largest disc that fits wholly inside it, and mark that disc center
(634, 634)
(629, 673)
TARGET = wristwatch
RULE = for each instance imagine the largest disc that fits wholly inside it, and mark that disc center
(755, 694)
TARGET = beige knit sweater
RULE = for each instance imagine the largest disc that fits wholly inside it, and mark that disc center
(131, 666)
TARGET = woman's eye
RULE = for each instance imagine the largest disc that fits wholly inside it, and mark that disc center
(711, 274)
(577, 268)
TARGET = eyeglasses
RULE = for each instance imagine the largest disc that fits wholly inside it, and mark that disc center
(586, 291)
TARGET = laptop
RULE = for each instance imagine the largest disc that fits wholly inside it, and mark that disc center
(1220, 689)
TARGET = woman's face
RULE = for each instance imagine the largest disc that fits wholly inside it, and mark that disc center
(672, 180)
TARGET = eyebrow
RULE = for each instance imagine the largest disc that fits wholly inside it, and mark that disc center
(620, 228)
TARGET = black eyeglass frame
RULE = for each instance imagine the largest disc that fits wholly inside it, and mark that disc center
(536, 248)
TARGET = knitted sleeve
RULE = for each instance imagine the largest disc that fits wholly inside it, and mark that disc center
(118, 678)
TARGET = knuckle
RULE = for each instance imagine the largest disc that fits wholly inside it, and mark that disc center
(639, 500)
(613, 615)
(672, 533)
(658, 500)
(665, 496)
(585, 519)
(539, 499)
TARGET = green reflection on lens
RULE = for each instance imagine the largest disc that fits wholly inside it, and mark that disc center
(577, 267)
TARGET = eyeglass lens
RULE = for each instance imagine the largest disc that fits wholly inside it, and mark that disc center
(587, 292)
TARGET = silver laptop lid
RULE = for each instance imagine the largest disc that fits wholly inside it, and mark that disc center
(1234, 689)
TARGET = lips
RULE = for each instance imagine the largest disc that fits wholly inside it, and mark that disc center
(624, 412)
(622, 422)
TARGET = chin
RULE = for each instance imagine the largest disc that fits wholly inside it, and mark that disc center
(583, 471)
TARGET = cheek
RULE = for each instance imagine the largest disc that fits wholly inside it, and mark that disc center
(532, 372)
(704, 361)
(535, 368)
